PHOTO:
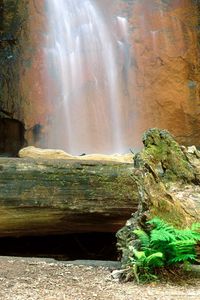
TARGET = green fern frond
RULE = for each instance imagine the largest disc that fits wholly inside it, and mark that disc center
(161, 235)
(181, 246)
(187, 234)
(140, 255)
(143, 237)
(151, 261)
(182, 258)
(155, 260)
(160, 224)
(182, 251)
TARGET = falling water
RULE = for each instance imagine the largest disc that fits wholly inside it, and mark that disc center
(84, 88)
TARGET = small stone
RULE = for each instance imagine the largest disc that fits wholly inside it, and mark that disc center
(116, 274)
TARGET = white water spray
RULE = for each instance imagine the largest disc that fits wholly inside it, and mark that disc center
(83, 79)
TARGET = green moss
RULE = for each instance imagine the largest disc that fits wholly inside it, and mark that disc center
(170, 212)
(164, 155)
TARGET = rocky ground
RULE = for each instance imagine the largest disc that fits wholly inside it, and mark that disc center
(45, 279)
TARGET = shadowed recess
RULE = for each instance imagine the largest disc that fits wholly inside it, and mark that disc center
(98, 246)
(11, 137)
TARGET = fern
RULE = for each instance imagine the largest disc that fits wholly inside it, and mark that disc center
(160, 224)
(143, 237)
(143, 264)
(155, 260)
(164, 245)
(161, 235)
(182, 258)
(182, 251)
(139, 255)
(152, 260)
(187, 234)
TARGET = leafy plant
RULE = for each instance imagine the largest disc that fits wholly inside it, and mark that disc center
(162, 246)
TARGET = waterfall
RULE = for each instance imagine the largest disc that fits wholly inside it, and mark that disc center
(82, 58)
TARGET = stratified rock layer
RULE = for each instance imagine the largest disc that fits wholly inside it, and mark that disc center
(60, 196)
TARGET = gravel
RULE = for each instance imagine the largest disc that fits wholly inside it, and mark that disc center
(47, 279)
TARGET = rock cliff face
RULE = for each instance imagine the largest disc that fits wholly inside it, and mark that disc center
(165, 44)
(160, 78)
(13, 15)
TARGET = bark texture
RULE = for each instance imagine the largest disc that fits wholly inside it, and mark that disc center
(59, 196)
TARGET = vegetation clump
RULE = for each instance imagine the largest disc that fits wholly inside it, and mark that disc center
(161, 246)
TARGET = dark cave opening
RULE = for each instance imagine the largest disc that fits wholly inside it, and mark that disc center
(80, 246)
(11, 137)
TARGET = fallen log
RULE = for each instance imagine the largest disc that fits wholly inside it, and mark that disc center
(57, 196)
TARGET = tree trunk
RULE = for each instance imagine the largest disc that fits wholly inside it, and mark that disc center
(39, 197)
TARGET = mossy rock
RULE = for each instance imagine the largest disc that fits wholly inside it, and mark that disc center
(168, 188)
(164, 157)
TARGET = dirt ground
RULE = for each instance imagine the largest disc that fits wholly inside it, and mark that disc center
(43, 279)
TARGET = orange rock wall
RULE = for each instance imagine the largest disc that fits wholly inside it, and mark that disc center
(163, 74)
(35, 110)
(165, 48)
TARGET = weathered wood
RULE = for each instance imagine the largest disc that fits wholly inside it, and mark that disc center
(41, 196)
